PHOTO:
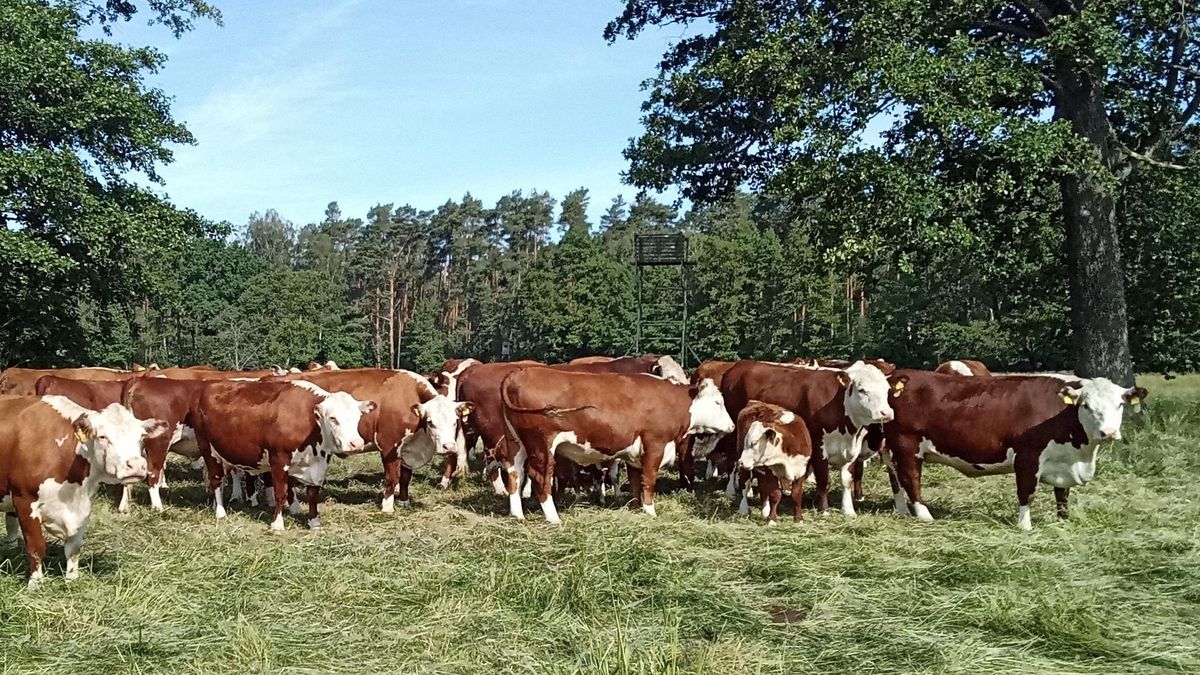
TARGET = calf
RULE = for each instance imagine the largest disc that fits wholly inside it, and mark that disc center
(775, 445)
(291, 429)
(54, 454)
(1043, 429)
(964, 367)
(595, 417)
(837, 405)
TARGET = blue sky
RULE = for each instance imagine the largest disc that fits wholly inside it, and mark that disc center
(298, 103)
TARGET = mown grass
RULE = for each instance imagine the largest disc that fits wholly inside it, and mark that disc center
(452, 585)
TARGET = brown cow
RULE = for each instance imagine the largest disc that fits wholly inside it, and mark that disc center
(775, 445)
(884, 366)
(54, 454)
(203, 373)
(591, 359)
(292, 429)
(1043, 429)
(837, 405)
(595, 417)
(661, 366)
(175, 403)
(964, 367)
(23, 381)
(481, 386)
(412, 424)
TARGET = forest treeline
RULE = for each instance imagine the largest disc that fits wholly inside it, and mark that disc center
(409, 288)
(945, 237)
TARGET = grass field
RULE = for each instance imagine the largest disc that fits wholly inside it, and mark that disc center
(453, 585)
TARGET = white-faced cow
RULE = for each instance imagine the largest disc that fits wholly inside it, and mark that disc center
(776, 447)
(291, 429)
(592, 418)
(1043, 429)
(54, 455)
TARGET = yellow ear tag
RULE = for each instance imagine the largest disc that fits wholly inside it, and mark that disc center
(1068, 399)
(81, 435)
(900, 385)
(1135, 401)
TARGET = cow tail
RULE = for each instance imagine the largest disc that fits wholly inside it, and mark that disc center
(549, 411)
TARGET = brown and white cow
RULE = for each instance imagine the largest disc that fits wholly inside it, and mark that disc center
(176, 404)
(1043, 429)
(838, 405)
(480, 385)
(54, 454)
(775, 445)
(446, 383)
(964, 367)
(23, 381)
(413, 422)
(291, 429)
(592, 418)
(205, 373)
(661, 366)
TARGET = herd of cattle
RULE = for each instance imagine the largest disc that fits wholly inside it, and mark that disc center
(543, 429)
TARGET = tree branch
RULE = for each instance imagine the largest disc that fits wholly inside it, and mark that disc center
(1147, 159)
(1039, 12)
(1011, 29)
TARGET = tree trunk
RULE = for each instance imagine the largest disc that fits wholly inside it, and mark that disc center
(1097, 280)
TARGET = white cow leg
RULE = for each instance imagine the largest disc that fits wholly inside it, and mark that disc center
(35, 576)
(710, 470)
(921, 512)
(901, 503)
(766, 510)
(156, 497)
(236, 494)
(126, 498)
(71, 549)
(731, 486)
(744, 507)
(551, 513)
(219, 501)
(514, 506)
(526, 487)
(1023, 519)
(277, 523)
(388, 505)
(847, 491)
(12, 529)
(294, 504)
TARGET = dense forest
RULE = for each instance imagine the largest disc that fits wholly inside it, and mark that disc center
(942, 240)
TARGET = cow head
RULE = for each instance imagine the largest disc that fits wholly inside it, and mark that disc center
(442, 418)
(670, 370)
(1101, 406)
(708, 420)
(111, 440)
(866, 394)
(338, 415)
(763, 444)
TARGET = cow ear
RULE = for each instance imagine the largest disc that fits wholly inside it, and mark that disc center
(366, 407)
(898, 384)
(1070, 394)
(137, 368)
(154, 427)
(843, 379)
(84, 431)
(770, 435)
(416, 409)
(1134, 397)
(465, 408)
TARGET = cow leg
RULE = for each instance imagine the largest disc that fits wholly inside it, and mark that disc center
(744, 506)
(293, 501)
(391, 478)
(856, 473)
(12, 528)
(403, 484)
(635, 481)
(768, 485)
(820, 472)
(35, 539)
(1025, 467)
(1061, 496)
(614, 477)
(731, 486)
(652, 459)
(156, 461)
(908, 470)
(314, 496)
(687, 465)
(449, 471)
(235, 487)
(539, 464)
(216, 480)
(279, 483)
(71, 549)
(252, 489)
(798, 499)
(126, 498)
(847, 472)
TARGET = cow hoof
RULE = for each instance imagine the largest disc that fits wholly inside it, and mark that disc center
(220, 512)
(850, 513)
(772, 523)
(444, 483)
(73, 575)
(314, 524)
(921, 512)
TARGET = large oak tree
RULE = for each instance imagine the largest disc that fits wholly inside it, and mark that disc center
(1081, 93)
